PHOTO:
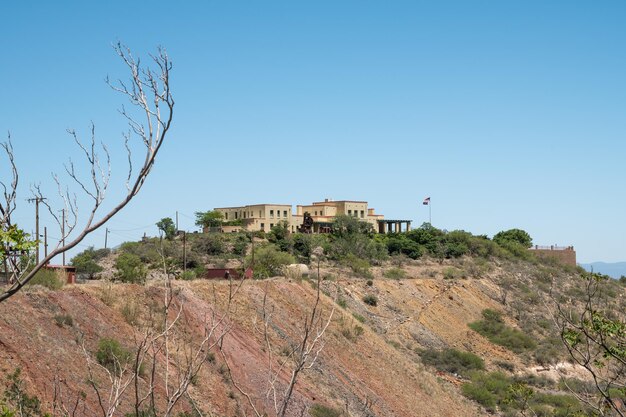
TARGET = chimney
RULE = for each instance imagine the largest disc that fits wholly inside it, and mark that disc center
(370, 212)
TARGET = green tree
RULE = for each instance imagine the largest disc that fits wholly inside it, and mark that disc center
(344, 225)
(269, 261)
(130, 268)
(210, 218)
(167, 227)
(594, 334)
(280, 236)
(518, 236)
(86, 262)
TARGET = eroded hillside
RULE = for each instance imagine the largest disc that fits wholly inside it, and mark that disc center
(370, 364)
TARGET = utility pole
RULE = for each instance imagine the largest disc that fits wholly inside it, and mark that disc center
(106, 237)
(63, 233)
(37, 200)
(45, 242)
(184, 248)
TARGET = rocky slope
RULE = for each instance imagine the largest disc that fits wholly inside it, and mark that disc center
(369, 365)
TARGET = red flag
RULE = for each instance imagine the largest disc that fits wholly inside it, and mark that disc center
(426, 201)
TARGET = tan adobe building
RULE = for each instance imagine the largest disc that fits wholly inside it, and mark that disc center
(260, 217)
(265, 216)
(323, 212)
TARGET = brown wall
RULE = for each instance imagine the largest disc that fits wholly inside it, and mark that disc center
(565, 256)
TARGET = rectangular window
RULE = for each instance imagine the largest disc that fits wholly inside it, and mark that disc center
(277, 213)
(316, 213)
(284, 213)
(235, 215)
(226, 216)
(349, 212)
(362, 214)
(271, 225)
(271, 214)
(262, 226)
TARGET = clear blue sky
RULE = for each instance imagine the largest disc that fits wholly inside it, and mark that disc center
(507, 114)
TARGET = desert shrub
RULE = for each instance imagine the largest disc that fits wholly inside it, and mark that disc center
(319, 410)
(209, 244)
(240, 245)
(359, 266)
(370, 299)
(21, 404)
(86, 262)
(395, 273)
(130, 268)
(129, 312)
(451, 273)
(359, 317)
(47, 278)
(507, 366)
(112, 355)
(493, 328)
(535, 380)
(269, 262)
(516, 236)
(401, 244)
(352, 332)
(452, 360)
(487, 389)
(147, 251)
(63, 320)
(188, 275)
(549, 351)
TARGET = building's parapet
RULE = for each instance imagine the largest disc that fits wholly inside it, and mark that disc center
(564, 254)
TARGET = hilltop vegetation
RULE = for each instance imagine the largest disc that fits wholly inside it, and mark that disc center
(463, 320)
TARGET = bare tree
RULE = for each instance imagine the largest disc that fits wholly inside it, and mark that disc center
(149, 92)
(165, 357)
(594, 335)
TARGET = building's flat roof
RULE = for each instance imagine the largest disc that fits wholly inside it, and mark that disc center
(252, 205)
(337, 201)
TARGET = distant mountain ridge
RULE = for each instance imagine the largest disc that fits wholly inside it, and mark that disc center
(612, 269)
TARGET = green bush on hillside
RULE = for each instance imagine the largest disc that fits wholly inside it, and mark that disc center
(112, 355)
(269, 261)
(492, 326)
(130, 268)
(319, 410)
(452, 360)
(47, 278)
(86, 262)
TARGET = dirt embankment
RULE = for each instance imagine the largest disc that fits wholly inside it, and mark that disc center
(368, 365)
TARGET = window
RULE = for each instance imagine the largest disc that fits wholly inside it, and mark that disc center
(262, 226)
(284, 213)
(277, 213)
(244, 214)
(362, 213)
(271, 214)
(271, 225)
(349, 212)
(316, 213)
(226, 216)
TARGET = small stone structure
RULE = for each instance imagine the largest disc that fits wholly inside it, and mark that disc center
(564, 254)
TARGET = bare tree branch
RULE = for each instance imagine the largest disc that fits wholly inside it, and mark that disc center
(150, 92)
